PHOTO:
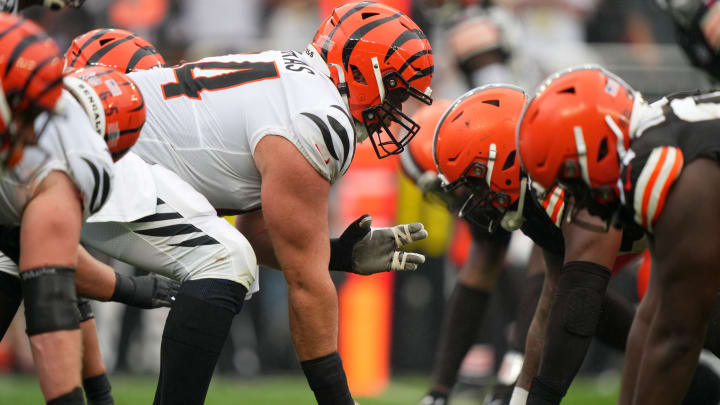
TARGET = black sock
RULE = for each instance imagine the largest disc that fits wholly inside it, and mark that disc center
(97, 390)
(615, 320)
(74, 397)
(543, 394)
(326, 377)
(465, 310)
(704, 387)
(195, 331)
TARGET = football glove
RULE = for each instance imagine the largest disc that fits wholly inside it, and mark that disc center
(362, 249)
(147, 292)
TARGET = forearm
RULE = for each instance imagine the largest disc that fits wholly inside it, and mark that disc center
(92, 359)
(93, 279)
(313, 318)
(635, 350)
(536, 335)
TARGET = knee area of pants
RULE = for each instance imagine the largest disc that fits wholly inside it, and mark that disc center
(219, 292)
(580, 294)
(241, 256)
(50, 299)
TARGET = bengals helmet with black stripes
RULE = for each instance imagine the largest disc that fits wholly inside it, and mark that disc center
(112, 47)
(31, 77)
(113, 103)
(575, 131)
(474, 150)
(378, 58)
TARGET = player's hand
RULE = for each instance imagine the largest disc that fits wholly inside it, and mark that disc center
(376, 249)
(431, 187)
(153, 291)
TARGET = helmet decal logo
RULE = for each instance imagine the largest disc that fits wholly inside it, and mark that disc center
(612, 87)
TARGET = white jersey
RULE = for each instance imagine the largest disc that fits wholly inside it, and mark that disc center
(69, 144)
(204, 120)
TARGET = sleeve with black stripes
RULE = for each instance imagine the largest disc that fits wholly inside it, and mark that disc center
(69, 136)
(326, 138)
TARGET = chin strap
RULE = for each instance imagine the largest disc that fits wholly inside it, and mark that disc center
(513, 220)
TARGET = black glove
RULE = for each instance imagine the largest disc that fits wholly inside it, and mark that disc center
(151, 291)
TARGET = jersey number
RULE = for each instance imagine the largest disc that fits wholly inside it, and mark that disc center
(240, 73)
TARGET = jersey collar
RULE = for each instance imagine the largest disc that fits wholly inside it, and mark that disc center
(313, 58)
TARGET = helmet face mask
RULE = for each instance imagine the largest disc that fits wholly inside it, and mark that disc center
(482, 205)
(602, 202)
(379, 119)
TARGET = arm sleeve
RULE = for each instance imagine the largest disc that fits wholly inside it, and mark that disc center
(324, 136)
(70, 138)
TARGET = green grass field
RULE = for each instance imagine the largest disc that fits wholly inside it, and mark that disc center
(135, 390)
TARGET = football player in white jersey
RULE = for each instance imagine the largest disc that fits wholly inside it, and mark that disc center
(264, 134)
(48, 188)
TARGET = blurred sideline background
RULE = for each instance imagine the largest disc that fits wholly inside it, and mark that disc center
(389, 322)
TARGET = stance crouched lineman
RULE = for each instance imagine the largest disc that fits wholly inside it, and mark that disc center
(240, 133)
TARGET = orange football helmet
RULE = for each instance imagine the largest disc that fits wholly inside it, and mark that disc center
(418, 157)
(31, 77)
(113, 102)
(378, 58)
(115, 48)
(575, 131)
(474, 150)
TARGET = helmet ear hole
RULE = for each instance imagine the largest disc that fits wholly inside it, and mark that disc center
(510, 161)
(357, 74)
(603, 150)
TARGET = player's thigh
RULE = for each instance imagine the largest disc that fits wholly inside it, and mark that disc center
(184, 239)
(686, 244)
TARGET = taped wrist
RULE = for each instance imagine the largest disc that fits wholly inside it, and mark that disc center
(580, 293)
(50, 299)
(97, 390)
(125, 290)
(85, 310)
(340, 256)
(74, 397)
(326, 377)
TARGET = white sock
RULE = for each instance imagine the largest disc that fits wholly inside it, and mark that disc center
(519, 396)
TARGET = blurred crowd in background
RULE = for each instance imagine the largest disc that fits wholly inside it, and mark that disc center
(389, 322)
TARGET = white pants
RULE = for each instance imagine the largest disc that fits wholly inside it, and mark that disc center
(183, 239)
